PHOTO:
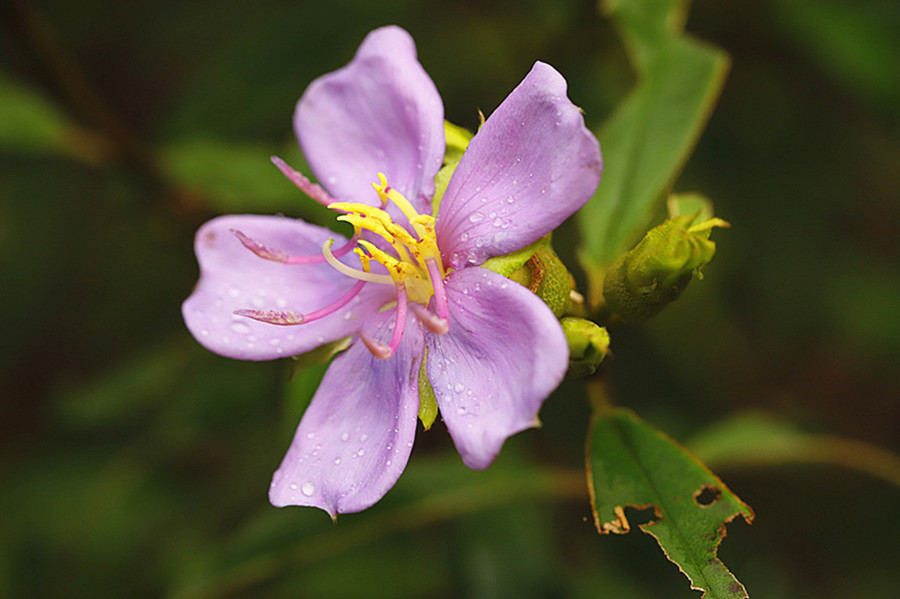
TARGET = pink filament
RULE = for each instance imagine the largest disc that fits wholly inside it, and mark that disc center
(437, 325)
(292, 318)
(379, 349)
(440, 294)
(280, 256)
(314, 191)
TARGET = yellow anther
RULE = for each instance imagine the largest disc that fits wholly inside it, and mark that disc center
(364, 259)
(386, 192)
(414, 250)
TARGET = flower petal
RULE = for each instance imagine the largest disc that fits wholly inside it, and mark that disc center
(356, 436)
(379, 114)
(529, 167)
(504, 353)
(234, 278)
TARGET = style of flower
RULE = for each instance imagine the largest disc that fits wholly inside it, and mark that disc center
(408, 286)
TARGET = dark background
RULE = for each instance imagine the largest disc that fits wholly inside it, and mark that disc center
(134, 463)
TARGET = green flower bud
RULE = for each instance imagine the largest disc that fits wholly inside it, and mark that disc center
(641, 282)
(588, 344)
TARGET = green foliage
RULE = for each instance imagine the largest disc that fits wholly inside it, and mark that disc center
(648, 138)
(135, 463)
(631, 465)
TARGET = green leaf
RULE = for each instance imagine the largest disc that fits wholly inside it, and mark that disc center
(631, 465)
(233, 176)
(31, 124)
(649, 136)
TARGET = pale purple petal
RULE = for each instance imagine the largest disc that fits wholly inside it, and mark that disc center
(529, 167)
(380, 113)
(356, 436)
(234, 278)
(504, 353)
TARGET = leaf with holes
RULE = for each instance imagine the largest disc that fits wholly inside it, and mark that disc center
(632, 465)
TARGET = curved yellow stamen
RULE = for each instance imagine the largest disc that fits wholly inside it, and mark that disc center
(349, 270)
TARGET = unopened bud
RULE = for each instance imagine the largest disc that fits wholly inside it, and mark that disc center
(588, 344)
(641, 282)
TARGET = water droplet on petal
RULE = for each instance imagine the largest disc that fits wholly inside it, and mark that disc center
(345, 437)
(234, 291)
(308, 489)
(459, 387)
(337, 461)
(240, 328)
(476, 217)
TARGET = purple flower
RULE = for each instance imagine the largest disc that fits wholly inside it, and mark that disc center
(407, 286)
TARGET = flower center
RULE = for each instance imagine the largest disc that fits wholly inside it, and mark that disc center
(416, 263)
(414, 268)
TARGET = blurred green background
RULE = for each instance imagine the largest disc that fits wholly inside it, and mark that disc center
(134, 463)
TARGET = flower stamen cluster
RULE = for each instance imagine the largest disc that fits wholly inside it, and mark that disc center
(416, 271)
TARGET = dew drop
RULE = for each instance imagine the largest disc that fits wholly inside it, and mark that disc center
(498, 222)
(363, 437)
(294, 486)
(476, 217)
(204, 332)
(337, 461)
(464, 237)
(274, 341)
(234, 291)
(458, 387)
(240, 328)
(308, 489)
(348, 315)
(281, 302)
(345, 437)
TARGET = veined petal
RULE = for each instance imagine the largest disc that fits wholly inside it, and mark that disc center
(504, 353)
(529, 167)
(234, 278)
(356, 436)
(379, 114)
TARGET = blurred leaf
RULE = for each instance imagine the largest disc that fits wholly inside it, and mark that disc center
(757, 439)
(650, 135)
(31, 124)
(856, 43)
(632, 465)
(431, 491)
(233, 177)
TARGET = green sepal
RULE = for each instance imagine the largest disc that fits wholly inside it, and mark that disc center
(588, 344)
(654, 273)
(508, 264)
(457, 140)
(320, 355)
(428, 408)
(537, 267)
